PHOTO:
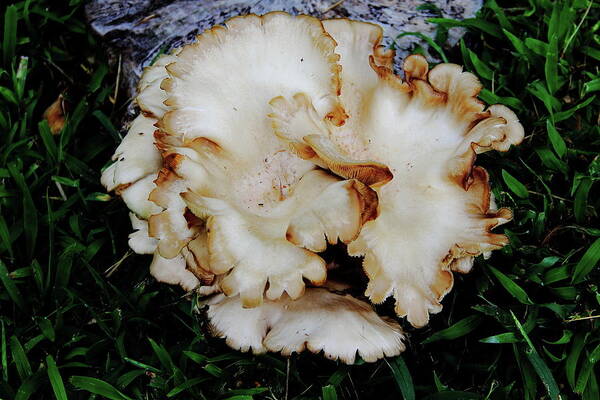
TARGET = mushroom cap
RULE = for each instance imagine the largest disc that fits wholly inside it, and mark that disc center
(222, 191)
(415, 142)
(135, 164)
(139, 240)
(266, 209)
(254, 250)
(339, 325)
(173, 271)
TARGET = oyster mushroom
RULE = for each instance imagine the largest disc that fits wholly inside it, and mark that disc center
(251, 155)
(415, 141)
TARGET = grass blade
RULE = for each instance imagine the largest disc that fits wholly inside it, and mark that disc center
(11, 288)
(128, 377)
(402, 378)
(482, 69)
(186, 385)
(560, 116)
(538, 364)
(97, 386)
(474, 23)
(329, 392)
(511, 287)
(162, 354)
(338, 376)
(141, 365)
(517, 44)
(581, 199)
(576, 349)
(591, 86)
(30, 386)
(9, 41)
(453, 395)
(461, 328)
(5, 236)
(587, 262)
(584, 376)
(427, 39)
(514, 185)
(537, 46)
(30, 221)
(527, 375)
(107, 124)
(551, 65)
(4, 353)
(558, 144)
(592, 392)
(550, 160)
(507, 337)
(20, 359)
(48, 140)
(55, 379)
(500, 15)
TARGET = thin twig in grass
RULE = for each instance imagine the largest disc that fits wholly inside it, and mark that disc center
(287, 378)
(537, 114)
(537, 176)
(111, 270)
(145, 19)
(331, 7)
(581, 318)
(568, 42)
(117, 82)
(59, 69)
(352, 384)
(61, 191)
(550, 194)
(305, 390)
(551, 234)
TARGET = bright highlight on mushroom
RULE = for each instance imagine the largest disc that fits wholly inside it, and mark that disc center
(274, 136)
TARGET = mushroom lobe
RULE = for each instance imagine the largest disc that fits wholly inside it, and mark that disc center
(338, 325)
(415, 142)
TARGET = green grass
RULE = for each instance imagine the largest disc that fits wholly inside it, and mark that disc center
(523, 325)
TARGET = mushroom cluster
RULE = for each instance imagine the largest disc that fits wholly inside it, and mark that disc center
(273, 136)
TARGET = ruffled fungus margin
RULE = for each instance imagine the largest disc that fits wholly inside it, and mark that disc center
(426, 130)
(227, 206)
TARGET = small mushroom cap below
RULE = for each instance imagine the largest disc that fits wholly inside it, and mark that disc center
(339, 325)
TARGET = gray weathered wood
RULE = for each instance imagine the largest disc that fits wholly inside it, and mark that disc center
(137, 30)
